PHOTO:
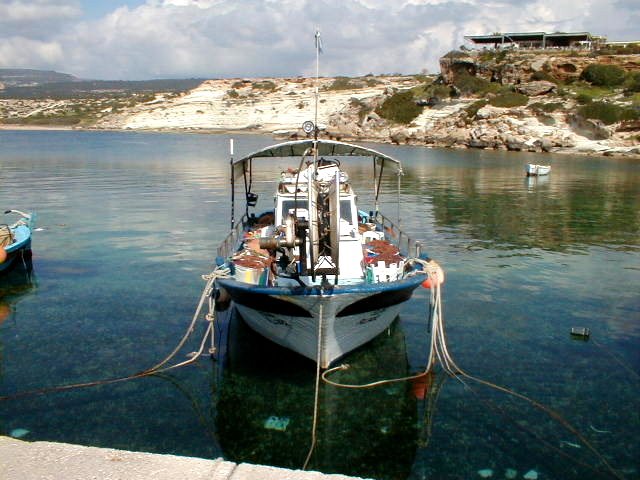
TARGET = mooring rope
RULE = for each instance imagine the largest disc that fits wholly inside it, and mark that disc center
(158, 368)
(317, 391)
(435, 312)
(439, 350)
(618, 360)
(452, 369)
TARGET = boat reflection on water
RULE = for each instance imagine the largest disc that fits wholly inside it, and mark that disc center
(535, 181)
(265, 403)
(15, 284)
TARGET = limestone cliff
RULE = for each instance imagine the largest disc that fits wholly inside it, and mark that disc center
(450, 112)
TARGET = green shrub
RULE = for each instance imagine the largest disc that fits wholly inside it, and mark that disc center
(400, 107)
(584, 98)
(497, 55)
(342, 83)
(632, 82)
(509, 99)
(541, 75)
(455, 54)
(608, 113)
(264, 85)
(469, 84)
(232, 94)
(540, 107)
(620, 50)
(603, 75)
(629, 114)
(472, 110)
(428, 90)
(439, 91)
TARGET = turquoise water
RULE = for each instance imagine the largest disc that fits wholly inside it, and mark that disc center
(129, 221)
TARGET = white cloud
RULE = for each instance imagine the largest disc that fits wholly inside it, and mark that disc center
(36, 10)
(20, 52)
(221, 38)
(36, 19)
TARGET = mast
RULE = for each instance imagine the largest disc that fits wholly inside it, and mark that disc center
(318, 50)
(233, 185)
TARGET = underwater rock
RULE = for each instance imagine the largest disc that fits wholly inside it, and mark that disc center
(531, 475)
(485, 473)
(510, 473)
(19, 432)
(277, 423)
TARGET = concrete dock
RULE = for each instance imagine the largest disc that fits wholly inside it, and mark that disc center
(20, 460)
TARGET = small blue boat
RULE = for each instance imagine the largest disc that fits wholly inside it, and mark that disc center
(15, 239)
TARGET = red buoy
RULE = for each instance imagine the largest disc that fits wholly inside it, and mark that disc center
(435, 271)
(5, 311)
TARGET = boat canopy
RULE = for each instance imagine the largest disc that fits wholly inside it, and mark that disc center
(330, 148)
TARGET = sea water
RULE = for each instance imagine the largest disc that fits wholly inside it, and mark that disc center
(128, 222)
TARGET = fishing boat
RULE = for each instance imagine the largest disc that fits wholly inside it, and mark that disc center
(533, 169)
(316, 274)
(15, 239)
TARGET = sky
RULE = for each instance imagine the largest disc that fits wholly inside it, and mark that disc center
(145, 39)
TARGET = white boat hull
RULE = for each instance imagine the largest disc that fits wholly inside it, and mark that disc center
(535, 170)
(339, 335)
(344, 320)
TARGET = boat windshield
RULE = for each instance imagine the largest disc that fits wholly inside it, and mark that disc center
(345, 211)
(288, 206)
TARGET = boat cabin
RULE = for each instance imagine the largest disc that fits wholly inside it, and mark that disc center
(333, 184)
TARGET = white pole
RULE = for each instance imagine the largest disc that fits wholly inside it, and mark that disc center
(317, 79)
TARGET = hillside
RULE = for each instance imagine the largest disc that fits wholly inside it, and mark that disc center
(556, 101)
(22, 77)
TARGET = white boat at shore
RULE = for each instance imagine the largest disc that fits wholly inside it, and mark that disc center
(533, 169)
(315, 274)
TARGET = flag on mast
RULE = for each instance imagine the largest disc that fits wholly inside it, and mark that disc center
(318, 41)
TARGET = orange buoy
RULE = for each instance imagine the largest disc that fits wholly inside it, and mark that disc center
(421, 385)
(5, 311)
(435, 271)
(3, 254)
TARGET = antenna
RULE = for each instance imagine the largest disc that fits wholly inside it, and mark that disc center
(318, 51)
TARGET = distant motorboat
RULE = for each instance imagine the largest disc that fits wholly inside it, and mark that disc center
(535, 170)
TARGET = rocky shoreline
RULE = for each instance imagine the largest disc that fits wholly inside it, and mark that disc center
(349, 109)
